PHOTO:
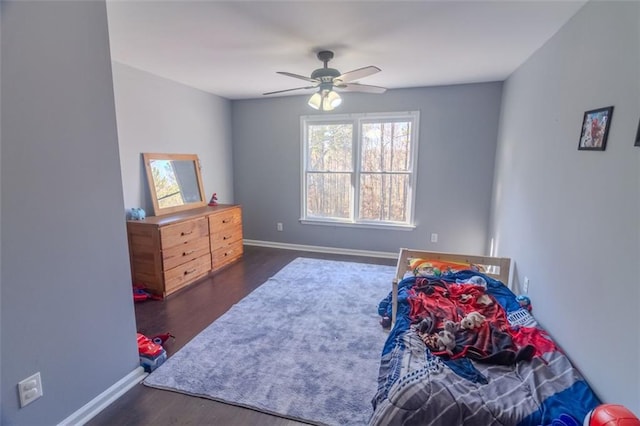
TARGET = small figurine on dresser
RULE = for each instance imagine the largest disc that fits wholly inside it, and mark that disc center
(214, 199)
(136, 214)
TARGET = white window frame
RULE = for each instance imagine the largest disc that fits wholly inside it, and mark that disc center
(357, 120)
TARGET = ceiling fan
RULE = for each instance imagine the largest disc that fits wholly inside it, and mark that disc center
(327, 79)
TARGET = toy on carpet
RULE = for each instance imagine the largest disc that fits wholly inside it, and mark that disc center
(611, 415)
(214, 199)
(472, 320)
(151, 354)
(524, 302)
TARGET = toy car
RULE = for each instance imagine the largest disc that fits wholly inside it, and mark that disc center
(152, 355)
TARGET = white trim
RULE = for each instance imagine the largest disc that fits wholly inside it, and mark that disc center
(303, 166)
(320, 249)
(356, 167)
(370, 225)
(106, 398)
(415, 144)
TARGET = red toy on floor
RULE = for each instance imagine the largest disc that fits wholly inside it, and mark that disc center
(161, 338)
(140, 294)
(151, 353)
(611, 415)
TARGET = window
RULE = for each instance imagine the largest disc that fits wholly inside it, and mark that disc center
(359, 169)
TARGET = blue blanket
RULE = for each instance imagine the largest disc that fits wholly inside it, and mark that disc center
(417, 387)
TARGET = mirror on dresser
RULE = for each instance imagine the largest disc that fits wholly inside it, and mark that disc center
(175, 182)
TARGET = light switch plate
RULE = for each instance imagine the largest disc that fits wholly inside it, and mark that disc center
(30, 389)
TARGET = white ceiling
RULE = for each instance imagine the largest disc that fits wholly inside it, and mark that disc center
(234, 48)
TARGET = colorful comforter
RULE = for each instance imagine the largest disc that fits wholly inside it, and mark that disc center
(501, 370)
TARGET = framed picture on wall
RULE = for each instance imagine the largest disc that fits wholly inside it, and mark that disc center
(638, 135)
(595, 129)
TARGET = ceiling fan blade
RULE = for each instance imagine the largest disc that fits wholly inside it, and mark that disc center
(301, 77)
(289, 90)
(356, 74)
(356, 87)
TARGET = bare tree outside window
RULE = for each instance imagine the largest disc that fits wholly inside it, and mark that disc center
(359, 169)
(385, 171)
(329, 171)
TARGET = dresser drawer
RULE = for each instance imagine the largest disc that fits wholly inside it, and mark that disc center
(224, 255)
(180, 233)
(225, 219)
(224, 237)
(186, 273)
(189, 250)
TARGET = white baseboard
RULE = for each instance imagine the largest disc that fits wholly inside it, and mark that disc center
(106, 398)
(320, 249)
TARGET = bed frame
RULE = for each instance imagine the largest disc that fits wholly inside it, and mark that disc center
(495, 267)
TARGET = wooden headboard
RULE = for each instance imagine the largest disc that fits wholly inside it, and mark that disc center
(495, 267)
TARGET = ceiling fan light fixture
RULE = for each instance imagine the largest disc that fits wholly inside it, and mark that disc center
(315, 101)
(325, 100)
(333, 100)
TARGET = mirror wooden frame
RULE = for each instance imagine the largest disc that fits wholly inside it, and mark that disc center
(159, 211)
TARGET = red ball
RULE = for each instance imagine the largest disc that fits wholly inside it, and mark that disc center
(611, 415)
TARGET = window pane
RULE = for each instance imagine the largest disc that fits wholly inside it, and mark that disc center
(386, 146)
(329, 147)
(383, 197)
(329, 195)
(381, 162)
(371, 154)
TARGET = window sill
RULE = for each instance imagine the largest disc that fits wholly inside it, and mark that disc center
(386, 226)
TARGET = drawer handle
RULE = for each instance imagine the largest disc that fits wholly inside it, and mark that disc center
(190, 271)
(186, 233)
(187, 253)
(226, 220)
(227, 237)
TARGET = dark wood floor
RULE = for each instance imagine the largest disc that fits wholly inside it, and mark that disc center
(187, 313)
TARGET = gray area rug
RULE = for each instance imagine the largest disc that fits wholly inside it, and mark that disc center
(304, 345)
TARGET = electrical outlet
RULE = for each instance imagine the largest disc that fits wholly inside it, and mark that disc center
(434, 238)
(30, 389)
(525, 285)
(279, 226)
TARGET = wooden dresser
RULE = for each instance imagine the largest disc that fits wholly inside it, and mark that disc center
(172, 251)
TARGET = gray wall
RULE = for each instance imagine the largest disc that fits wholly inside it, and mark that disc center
(158, 115)
(571, 219)
(458, 131)
(0, 214)
(67, 309)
